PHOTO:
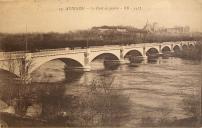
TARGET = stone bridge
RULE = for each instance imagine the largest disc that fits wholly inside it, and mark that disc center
(23, 63)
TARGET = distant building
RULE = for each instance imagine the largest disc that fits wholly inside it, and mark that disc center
(178, 29)
(148, 27)
(106, 28)
(152, 27)
(123, 29)
(155, 27)
(186, 29)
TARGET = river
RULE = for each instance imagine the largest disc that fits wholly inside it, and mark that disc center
(150, 86)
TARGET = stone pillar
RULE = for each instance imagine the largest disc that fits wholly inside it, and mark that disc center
(144, 53)
(160, 50)
(172, 50)
(122, 60)
(87, 60)
(181, 46)
(26, 66)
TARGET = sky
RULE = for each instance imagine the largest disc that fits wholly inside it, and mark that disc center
(53, 16)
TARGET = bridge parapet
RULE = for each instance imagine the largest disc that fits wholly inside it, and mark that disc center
(11, 55)
(59, 51)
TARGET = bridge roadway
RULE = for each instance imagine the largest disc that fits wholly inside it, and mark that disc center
(23, 63)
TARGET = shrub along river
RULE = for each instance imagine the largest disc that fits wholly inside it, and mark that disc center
(164, 92)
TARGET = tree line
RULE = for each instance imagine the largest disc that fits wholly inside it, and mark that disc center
(85, 38)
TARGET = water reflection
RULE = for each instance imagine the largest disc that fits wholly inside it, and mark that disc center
(71, 76)
(134, 61)
(111, 65)
(160, 81)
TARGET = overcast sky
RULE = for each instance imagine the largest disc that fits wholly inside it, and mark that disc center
(45, 16)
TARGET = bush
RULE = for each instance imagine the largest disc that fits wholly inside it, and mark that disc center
(102, 105)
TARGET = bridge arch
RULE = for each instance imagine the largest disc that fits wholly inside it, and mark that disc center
(176, 48)
(115, 54)
(175, 45)
(184, 46)
(133, 52)
(166, 45)
(73, 62)
(152, 50)
(105, 55)
(193, 43)
(191, 46)
(166, 49)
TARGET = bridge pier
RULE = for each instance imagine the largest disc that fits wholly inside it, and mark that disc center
(172, 51)
(145, 57)
(85, 68)
(115, 61)
(79, 69)
(82, 69)
(27, 79)
(160, 54)
(160, 51)
(122, 61)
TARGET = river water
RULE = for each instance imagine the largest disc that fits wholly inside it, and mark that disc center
(150, 86)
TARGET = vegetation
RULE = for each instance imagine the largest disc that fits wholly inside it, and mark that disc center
(85, 38)
(99, 105)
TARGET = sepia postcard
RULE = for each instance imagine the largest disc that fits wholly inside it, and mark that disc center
(101, 63)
